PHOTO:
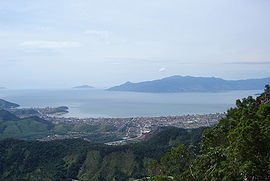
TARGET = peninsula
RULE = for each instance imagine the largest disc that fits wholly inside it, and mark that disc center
(7, 105)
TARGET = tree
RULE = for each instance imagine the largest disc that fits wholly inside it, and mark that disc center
(237, 148)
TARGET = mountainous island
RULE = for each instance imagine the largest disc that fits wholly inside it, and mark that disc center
(177, 83)
(83, 87)
(7, 105)
(2, 88)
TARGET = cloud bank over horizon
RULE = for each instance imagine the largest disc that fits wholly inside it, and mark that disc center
(64, 43)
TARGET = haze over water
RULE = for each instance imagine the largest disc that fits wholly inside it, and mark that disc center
(100, 103)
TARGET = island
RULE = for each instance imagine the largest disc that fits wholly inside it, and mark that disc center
(2, 88)
(83, 87)
(175, 84)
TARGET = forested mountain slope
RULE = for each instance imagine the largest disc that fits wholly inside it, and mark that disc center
(14, 127)
(235, 149)
(82, 160)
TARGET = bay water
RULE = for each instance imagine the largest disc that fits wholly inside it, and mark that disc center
(102, 103)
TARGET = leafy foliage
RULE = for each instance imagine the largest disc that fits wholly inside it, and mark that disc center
(235, 149)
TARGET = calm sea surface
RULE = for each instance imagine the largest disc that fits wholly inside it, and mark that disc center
(100, 103)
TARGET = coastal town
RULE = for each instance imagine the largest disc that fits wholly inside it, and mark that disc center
(134, 128)
(111, 131)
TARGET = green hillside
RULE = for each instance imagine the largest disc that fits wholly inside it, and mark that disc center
(35, 128)
(235, 149)
(6, 116)
(78, 159)
(14, 127)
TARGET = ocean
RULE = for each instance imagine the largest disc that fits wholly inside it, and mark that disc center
(101, 103)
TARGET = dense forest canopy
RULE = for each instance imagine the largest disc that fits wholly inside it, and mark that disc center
(238, 148)
(82, 160)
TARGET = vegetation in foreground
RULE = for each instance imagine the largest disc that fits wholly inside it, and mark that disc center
(238, 148)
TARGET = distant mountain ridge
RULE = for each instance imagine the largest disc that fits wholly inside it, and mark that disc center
(178, 83)
(83, 87)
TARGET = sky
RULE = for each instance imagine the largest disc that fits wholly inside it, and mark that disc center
(66, 43)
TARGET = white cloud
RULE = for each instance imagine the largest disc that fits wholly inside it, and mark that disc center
(50, 44)
(162, 69)
(100, 34)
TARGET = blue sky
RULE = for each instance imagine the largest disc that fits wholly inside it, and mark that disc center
(64, 43)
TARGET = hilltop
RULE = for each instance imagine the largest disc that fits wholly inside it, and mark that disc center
(177, 83)
(13, 127)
